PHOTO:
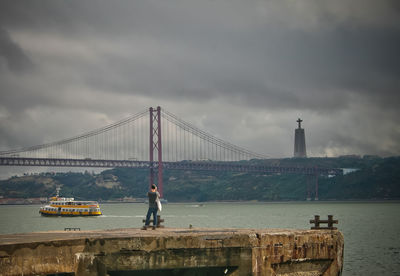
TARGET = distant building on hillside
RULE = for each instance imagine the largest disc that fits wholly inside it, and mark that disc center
(299, 141)
(350, 156)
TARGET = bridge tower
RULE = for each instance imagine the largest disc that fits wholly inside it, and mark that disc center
(156, 146)
(299, 141)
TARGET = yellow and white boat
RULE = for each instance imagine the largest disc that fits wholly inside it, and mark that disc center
(62, 206)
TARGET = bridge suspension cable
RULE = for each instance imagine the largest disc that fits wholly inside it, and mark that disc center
(128, 139)
(103, 142)
(202, 145)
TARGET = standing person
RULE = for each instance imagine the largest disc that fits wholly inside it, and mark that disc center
(153, 196)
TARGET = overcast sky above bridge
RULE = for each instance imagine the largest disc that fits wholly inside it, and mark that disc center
(241, 70)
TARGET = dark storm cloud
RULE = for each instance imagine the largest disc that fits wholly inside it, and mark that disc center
(256, 65)
(13, 55)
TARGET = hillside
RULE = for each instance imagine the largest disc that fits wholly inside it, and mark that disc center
(376, 178)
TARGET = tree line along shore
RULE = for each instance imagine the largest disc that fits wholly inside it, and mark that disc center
(368, 178)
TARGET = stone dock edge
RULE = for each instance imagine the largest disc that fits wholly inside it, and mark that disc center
(233, 251)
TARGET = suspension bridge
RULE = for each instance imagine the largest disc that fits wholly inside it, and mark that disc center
(154, 139)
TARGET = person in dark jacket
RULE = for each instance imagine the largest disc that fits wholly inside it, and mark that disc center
(153, 196)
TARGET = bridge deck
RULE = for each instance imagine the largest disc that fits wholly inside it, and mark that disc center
(179, 165)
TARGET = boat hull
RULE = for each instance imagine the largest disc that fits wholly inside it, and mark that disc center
(71, 209)
(65, 214)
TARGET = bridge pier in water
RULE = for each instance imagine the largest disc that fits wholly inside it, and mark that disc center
(312, 180)
(168, 251)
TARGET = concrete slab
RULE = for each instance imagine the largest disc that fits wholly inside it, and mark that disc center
(243, 251)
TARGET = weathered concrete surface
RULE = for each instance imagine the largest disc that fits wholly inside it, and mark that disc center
(243, 251)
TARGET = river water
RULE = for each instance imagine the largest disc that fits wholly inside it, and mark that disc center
(371, 229)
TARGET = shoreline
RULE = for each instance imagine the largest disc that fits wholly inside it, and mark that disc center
(234, 201)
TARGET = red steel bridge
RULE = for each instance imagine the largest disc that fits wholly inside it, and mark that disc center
(154, 139)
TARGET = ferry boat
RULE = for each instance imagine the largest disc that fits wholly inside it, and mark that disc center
(62, 206)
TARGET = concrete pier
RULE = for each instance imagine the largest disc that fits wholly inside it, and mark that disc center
(168, 251)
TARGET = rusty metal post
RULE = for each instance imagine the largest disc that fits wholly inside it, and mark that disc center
(330, 221)
(317, 222)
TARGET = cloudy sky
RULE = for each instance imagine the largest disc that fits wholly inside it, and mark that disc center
(241, 70)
